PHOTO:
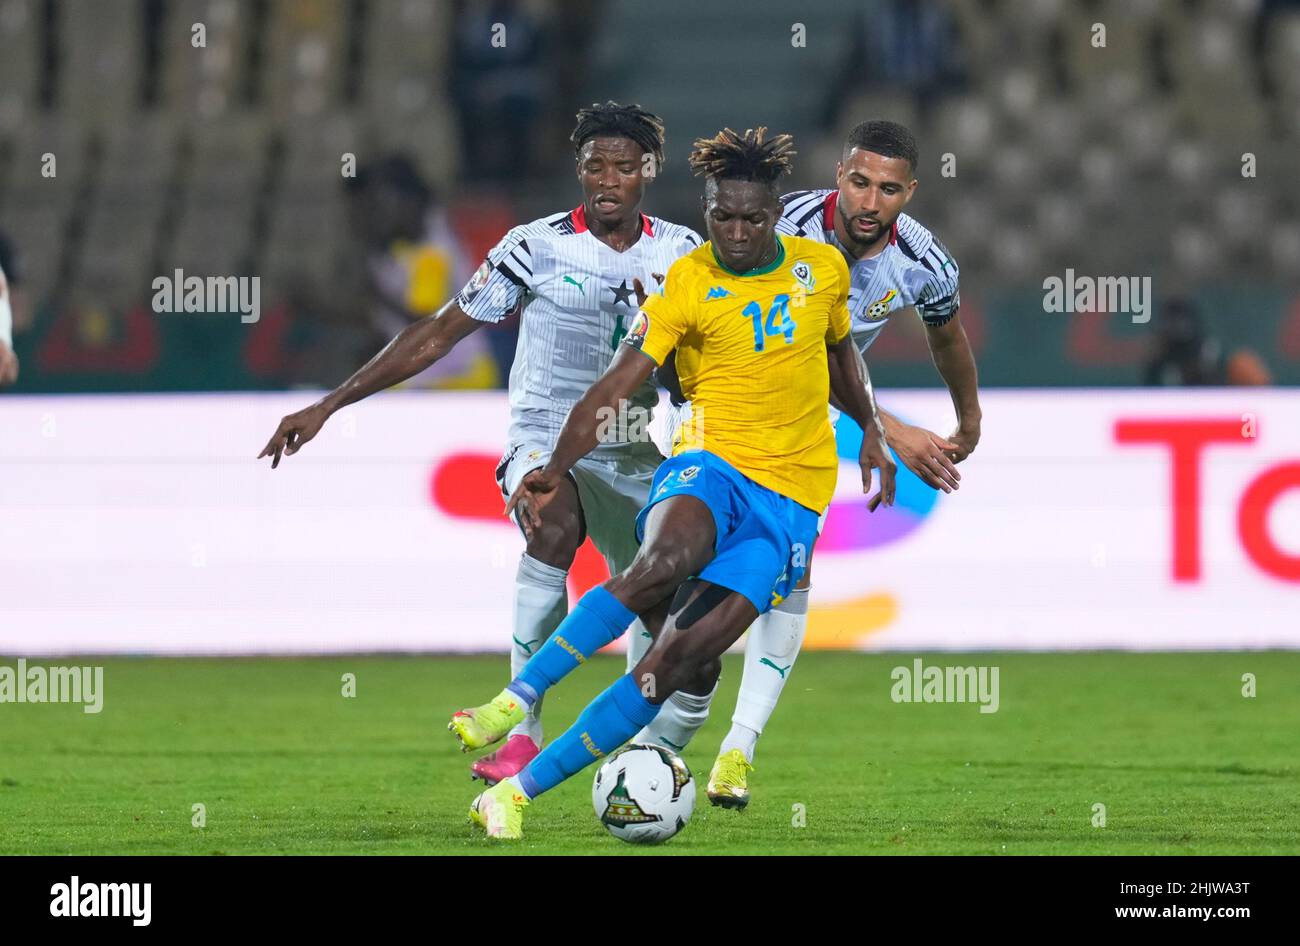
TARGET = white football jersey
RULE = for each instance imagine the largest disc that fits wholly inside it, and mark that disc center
(577, 304)
(914, 270)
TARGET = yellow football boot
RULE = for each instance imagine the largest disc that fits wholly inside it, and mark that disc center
(729, 780)
(500, 811)
(483, 725)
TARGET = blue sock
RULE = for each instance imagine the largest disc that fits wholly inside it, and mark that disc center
(610, 720)
(598, 619)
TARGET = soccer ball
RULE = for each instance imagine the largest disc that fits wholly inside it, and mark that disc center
(643, 794)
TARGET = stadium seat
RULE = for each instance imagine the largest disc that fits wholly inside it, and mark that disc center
(204, 82)
(407, 53)
(100, 82)
(305, 49)
(19, 63)
(311, 164)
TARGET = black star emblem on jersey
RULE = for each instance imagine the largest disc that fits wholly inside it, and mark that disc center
(622, 293)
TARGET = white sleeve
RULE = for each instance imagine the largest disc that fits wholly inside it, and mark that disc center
(801, 213)
(499, 285)
(938, 300)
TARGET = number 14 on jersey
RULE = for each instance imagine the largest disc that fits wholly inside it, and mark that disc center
(778, 321)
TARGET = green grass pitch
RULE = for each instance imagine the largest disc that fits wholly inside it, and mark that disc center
(283, 763)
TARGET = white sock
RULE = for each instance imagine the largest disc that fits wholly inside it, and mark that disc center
(741, 737)
(541, 603)
(770, 652)
(679, 719)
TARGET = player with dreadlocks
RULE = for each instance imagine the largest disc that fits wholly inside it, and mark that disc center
(895, 264)
(571, 275)
(756, 318)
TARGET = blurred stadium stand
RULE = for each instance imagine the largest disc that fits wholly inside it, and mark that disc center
(225, 159)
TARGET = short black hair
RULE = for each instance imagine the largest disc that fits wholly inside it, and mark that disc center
(620, 121)
(885, 138)
(748, 157)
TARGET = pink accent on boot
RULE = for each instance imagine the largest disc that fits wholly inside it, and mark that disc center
(509, 760)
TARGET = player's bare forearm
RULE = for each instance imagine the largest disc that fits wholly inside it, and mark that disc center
(851, 386)
(925, 453)
(579, 435)
(951, 351)
(890, 423)
(413, 349)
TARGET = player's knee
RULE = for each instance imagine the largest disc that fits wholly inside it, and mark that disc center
(555, 542)
(704, 676)
(655, 575)
(663, 670)
(681, 665)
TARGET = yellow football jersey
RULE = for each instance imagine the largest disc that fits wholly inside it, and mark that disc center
(751, 356)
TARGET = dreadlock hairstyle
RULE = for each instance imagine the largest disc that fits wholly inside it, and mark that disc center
(621, 121)
(747, 157)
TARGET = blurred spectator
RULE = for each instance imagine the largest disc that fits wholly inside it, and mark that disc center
(1266, 23)
(497, 89)
(1244, 368)
(414, 265)
(575, 25)
(914, 44)
(1184, 354)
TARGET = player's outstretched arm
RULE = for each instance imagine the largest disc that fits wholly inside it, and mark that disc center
(580, 433)
(851, 387)
(411, 351)
(922, 451)
(955, 361)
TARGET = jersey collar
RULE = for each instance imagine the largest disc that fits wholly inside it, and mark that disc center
(578, 217)
(828, 210)
(828, 218)
(762, 270)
